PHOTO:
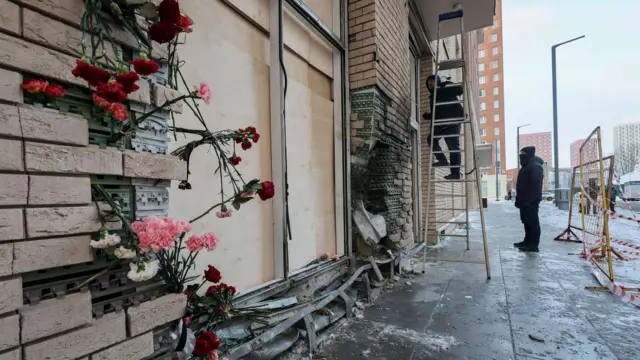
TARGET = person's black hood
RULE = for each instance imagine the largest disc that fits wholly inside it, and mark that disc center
(438, 82)
(527, 154)
(538, 160)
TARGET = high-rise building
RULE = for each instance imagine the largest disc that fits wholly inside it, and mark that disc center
(574, 149)
(542, 142)
(491, 89)
(626, 134)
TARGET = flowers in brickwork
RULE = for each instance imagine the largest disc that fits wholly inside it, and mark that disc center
(161, 246)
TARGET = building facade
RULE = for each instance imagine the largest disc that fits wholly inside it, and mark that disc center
(626, 134)
(590, 152)
(542, 142)
(491, 89)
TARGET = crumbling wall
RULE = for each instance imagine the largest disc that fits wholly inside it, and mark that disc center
(60, 298)
(379, 74)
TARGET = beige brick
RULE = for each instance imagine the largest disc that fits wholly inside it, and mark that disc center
(10, 86)
(10, 334)
(9, 118)
(11, 159)
(10, 295)
(52, 33)
(142, 95)
(73, 160)
(6, 259)
(58, 190)
(9, 17)
(15, 354)
(156, 312)
(154, 166)
(55, 316)
(102, 332)
(14, 189)
(60, 221)
(43, 254)
(11, 224)
(162, 94)
(132, 349)
(53, 126)
(37, 59)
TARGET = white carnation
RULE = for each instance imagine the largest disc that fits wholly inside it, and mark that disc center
(150, 270)
(124, 253)
(110, 240)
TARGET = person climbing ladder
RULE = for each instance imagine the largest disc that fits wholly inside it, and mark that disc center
(447, 92)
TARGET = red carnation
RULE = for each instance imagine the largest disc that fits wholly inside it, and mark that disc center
(118, 111)
(163, 32)
(54, 90)
(128, 81)
(34, 86)
(212, 274)
(145, 67)
(206, 343)
(256, 137)
(169, 11)
(246, 145)
(185, 23)
(92, 74)
(267, 191)
(235, 160)
(100, 101)
(251, 130)
(111, 91)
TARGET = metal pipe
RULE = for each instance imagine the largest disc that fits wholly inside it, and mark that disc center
(555, 113)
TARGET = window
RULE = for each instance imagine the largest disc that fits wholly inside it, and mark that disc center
(495, 24)
(494, 50)
(483, 119)
(496, 117)
(481, 80)
(483, 106)
(496, 131)
(483, 132)
(496, 90)
(481, 53)
(481, 67)
(494, 64)
(482, 93)
(496, 77)
(496, 104)
(494, 37)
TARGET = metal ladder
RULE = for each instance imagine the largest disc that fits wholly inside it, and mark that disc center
(447, 65)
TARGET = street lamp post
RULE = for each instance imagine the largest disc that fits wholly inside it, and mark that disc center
(518, 146)
(555, 113)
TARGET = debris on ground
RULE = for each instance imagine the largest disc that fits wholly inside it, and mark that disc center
(535, 338)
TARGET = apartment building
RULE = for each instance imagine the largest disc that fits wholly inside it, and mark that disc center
(491, 89)
(542, 142)
(590, 152)
(625, 134)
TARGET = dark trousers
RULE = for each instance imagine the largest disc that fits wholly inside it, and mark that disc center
(531, 222)
(612, 204)
(453, 144)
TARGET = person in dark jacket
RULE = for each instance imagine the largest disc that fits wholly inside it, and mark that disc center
(447, 91)
(528, 197)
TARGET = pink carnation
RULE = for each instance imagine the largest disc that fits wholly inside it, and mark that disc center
(204, 92)
(224, 214)
(157, 233)
(207, 241)
(194, 243)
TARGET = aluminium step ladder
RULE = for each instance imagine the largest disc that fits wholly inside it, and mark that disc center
(474, 174)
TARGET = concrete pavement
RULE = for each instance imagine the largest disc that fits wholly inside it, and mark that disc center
(534, 307)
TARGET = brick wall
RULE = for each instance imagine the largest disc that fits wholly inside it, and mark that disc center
(379, 72)
(52, 153)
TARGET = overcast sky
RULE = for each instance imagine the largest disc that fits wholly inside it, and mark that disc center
(598, 76)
